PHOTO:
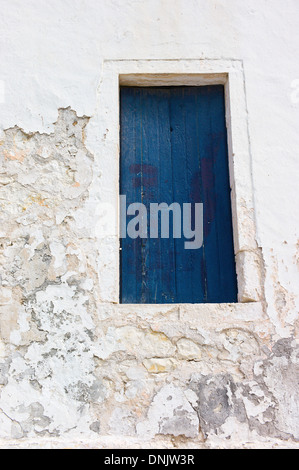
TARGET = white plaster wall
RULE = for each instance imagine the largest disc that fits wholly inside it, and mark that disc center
(52, 57)
(52, 53)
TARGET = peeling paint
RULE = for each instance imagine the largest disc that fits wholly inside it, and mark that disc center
(76, 368)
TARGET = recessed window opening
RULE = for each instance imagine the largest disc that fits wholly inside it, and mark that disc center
(175, 203)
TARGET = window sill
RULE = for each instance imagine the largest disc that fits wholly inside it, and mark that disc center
(215, 315)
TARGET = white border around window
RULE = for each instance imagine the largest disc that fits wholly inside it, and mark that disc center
(103, 141)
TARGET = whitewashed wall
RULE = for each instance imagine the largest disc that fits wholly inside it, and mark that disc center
(75, 370)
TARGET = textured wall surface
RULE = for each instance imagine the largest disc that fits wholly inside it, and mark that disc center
(76, 370)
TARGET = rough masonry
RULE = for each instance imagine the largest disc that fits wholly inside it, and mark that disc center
(75, 369)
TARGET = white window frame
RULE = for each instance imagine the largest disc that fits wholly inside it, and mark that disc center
(103, 141)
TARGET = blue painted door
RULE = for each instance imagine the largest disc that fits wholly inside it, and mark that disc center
(174, 149)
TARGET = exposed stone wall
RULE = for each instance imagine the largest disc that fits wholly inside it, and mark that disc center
(74, 368)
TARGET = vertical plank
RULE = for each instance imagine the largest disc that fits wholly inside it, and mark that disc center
(192, 194)
(157, 259)
(185, 160)
(227, 284)
(218, 236)
(130, 185)
(167, 290)
(210, 260)
(151, 275)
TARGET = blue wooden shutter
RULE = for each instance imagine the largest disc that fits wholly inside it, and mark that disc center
(174, 149)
